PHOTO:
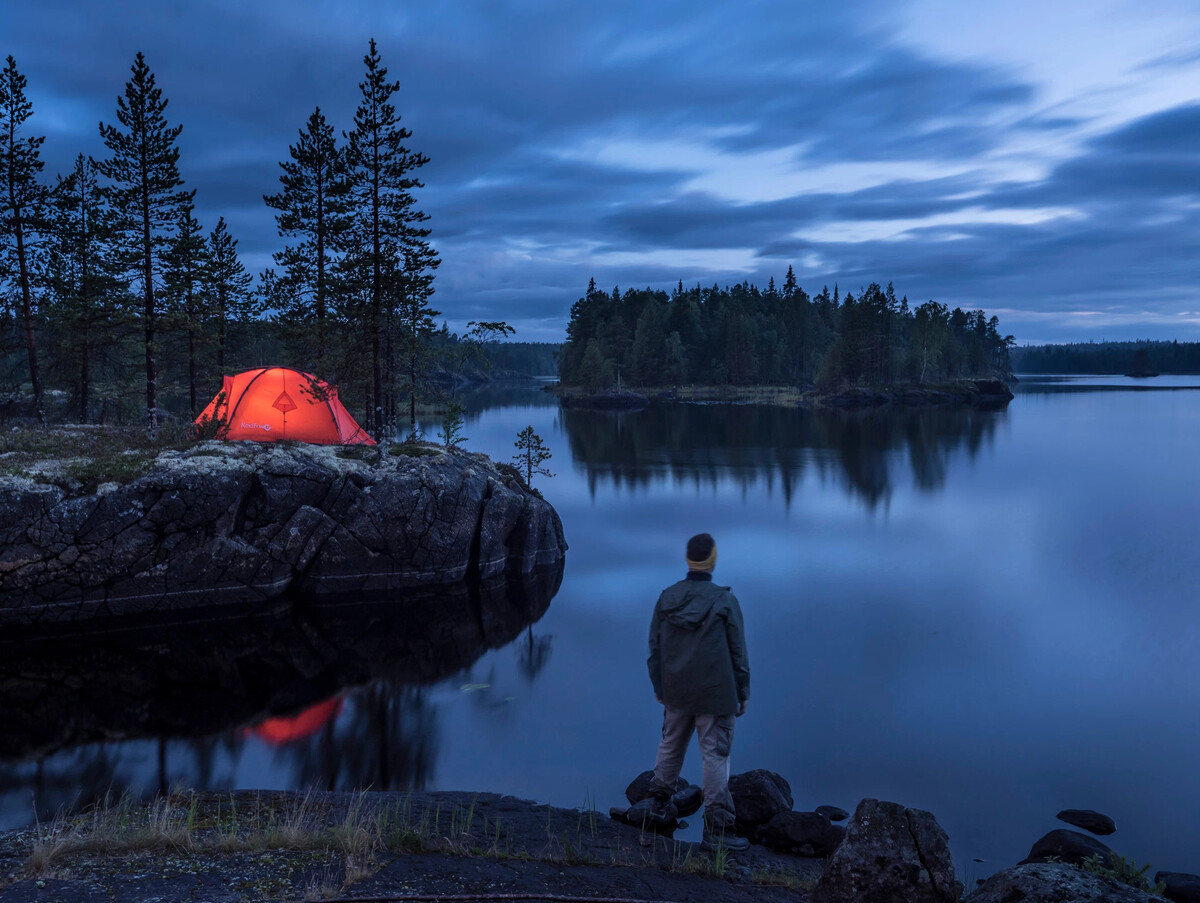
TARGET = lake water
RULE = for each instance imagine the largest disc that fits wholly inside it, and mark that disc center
(988, 614)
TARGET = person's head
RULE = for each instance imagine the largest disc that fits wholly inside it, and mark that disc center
(701, 553)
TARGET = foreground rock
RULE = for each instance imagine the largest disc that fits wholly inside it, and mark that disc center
(242, 521)
(1181, 887)
(1089, 820)
(890, 854)
(802, 834)
(1071, 847)
(484, 846)
(1056, 882)
(758, 796)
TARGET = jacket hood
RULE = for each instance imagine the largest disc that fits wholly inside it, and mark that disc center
(691, 608)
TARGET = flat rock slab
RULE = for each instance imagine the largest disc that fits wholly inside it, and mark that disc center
(482, 843)
(1182, 887)
(1089, 820)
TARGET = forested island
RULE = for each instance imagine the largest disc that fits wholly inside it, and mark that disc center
(741, 335)
(1140, 358)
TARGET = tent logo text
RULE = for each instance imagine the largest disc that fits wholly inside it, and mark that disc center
(256, 426)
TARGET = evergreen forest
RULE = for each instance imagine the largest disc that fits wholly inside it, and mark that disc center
(1142, 357)
(118, 306)
(743, 336)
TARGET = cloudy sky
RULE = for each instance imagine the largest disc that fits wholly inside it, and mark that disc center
(1036, 158)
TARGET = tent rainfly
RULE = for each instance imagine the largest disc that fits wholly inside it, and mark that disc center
(275, 403)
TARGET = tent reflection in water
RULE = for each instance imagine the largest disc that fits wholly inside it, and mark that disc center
(274, 403)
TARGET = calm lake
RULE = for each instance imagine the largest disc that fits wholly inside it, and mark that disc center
(988, 614)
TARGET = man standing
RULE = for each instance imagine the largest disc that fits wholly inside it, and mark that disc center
(701, 675)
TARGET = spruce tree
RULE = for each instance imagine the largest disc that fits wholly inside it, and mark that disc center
(81, 275)
(312, 208)
(394, 262)
(144, 171)
(22, 207)
(185, 264)
(227, 285)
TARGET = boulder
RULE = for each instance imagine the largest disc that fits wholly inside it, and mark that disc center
(244, 522)
(687, 798)
(642, 815)
(1181, 887)
(890, 853)
(802, 833)
(1089, 820)
(833, 813)
(1066, 846)
(639, 787)
(758, 796)
(1056, 882)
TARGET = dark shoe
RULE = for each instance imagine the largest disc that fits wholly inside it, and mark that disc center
(662, 808)
(723, 840)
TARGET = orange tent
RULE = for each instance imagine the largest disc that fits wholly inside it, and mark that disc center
(276, 403)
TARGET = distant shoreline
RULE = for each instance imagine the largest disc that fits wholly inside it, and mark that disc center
(978, 392)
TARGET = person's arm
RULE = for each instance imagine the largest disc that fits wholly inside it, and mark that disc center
(654, 662)
(735, 635)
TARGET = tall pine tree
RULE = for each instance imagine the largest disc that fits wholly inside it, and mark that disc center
(394, 262)
(313, 208)
(144, 170)
(185, 267)
(81, 275)
(22, 207)
(227, 285)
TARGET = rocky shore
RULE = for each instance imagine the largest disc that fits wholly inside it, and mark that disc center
(247, 846)
(975, 392)
(237, 522)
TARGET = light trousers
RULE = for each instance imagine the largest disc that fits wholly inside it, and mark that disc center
(715, 733)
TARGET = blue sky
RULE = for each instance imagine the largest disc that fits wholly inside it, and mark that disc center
(1036, 159)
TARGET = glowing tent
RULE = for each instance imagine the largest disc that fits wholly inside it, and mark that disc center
(276, 403)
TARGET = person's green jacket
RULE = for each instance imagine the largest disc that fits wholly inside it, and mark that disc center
(698, 661)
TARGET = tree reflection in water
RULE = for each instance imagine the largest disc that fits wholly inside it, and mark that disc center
(99, 708)
(708, 443)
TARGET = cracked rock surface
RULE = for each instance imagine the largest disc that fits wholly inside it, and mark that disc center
(239, 521)
(892, 854)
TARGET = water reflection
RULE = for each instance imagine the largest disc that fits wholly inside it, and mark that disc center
(703, 444)
(337, 690)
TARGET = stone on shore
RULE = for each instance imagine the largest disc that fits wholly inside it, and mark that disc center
(890, 853)
(802, 833)
(1066, 846)
(758, 796)
(1056, 882)
(1089, 820)
(833, 813)
(1181, 886)
(687, 798)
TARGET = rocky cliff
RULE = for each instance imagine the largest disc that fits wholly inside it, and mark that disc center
(235, 522)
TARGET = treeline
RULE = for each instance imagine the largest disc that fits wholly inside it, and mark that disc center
(1109, 357)
(741, 336)
(112, 289)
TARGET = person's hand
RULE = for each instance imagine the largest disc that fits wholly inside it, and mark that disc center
(742, 708)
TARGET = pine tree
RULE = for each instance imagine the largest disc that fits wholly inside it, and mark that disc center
(395, 261)
(313, 207)
(22, 207)
(144, 171)
(185, 266)
(531, 455)
(227, 285)
(80, 274)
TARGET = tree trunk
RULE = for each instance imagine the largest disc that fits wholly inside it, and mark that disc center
(148, 311)
(27, 313)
